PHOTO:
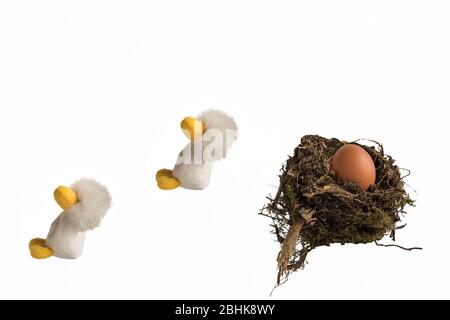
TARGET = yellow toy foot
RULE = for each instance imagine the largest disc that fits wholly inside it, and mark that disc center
(166, 181)
(36, 241)
(39, 250)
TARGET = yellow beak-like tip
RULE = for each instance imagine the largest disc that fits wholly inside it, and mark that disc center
(192, 127)
(65, 197)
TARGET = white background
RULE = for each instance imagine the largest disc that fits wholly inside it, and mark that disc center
(97, 89)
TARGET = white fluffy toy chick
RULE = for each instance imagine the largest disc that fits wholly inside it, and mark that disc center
(212, 134)
(85, 204)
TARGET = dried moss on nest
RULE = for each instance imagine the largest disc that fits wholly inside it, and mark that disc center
(313, 208)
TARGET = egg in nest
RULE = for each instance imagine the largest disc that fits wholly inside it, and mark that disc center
(353, 163)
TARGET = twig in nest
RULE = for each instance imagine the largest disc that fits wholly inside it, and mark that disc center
(289, 245)
(380, 145)
(397, 246)
(408, 173)
(278, 195)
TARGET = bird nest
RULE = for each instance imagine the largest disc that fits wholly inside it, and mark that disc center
(314, 208)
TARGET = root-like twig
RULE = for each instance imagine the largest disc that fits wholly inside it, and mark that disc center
(289, 244)
(397, 246)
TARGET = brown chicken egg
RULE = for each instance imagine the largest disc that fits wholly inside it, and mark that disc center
(353, 163)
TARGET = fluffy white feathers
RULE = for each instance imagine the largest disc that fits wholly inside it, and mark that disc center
(94, 201)
(220, 134)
